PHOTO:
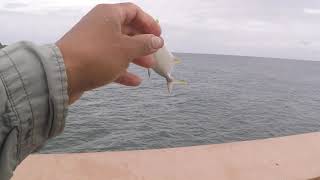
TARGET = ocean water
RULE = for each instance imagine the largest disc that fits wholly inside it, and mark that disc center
(228, 98)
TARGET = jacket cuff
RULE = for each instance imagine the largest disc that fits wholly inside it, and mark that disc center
(58, 86)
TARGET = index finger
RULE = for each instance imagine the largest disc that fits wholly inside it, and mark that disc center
(134, 15)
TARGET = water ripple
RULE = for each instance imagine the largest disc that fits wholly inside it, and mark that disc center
(228, 99)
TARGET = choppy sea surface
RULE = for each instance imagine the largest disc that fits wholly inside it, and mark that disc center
(228, 98)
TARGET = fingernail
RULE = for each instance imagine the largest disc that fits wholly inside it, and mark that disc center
(156, 42)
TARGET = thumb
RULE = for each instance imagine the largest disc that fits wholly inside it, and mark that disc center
(143, 45)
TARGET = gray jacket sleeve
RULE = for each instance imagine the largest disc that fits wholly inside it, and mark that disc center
(33, 101)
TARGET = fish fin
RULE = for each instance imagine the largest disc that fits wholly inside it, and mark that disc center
(171, 83)
(170, 86)
(149, 73)
(176, 61)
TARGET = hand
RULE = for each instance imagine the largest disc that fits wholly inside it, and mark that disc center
(99, 49)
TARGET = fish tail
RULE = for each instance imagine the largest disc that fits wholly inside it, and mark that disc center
(173, 82)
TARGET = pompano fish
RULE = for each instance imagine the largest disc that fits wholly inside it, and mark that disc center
(164, 64)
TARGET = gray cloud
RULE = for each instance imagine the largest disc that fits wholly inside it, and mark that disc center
(305, 43)
(286, 29)
(312, 11)
(13, 5)
(44, 28)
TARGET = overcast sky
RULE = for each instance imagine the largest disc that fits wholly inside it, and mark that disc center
(269, 28)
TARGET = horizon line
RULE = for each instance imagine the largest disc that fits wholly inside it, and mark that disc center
(251, 56)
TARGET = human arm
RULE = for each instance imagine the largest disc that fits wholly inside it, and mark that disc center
(38, 82)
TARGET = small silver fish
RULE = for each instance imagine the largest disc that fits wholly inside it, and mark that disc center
(165, 62)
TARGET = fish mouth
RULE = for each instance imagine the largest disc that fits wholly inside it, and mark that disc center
(169, 79)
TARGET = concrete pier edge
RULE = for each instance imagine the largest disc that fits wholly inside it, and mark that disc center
(285, 158)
